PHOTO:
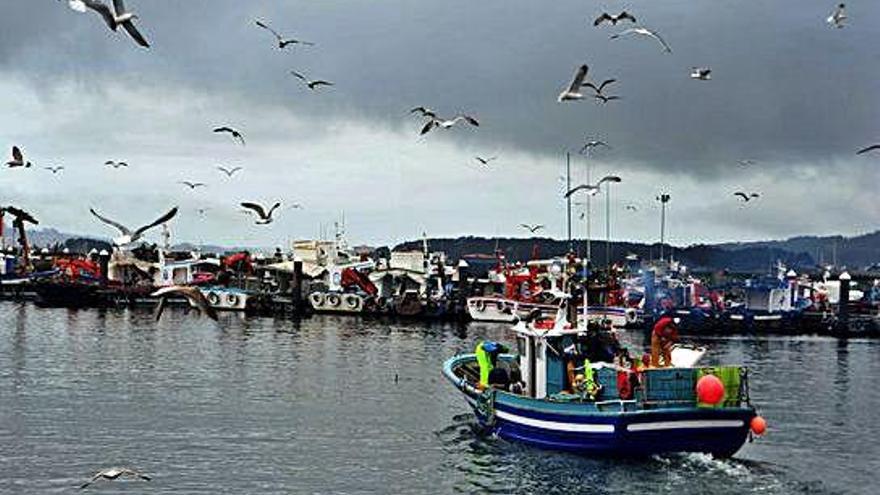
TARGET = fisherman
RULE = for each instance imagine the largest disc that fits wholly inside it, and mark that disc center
(487, 357)
(663, 336)
(585, 383)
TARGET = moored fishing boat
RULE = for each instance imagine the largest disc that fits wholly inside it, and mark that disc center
(662, 413)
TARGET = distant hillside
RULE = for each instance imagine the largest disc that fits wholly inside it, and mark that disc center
(855, 252)
(803, 252)
(698, 257)
(39, 237)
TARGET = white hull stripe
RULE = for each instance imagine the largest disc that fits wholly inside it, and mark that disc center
(686, 424)
(554, 425)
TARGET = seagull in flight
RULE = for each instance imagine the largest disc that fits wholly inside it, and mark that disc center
(614, 19)
(643, 31)
(485, 161)
(233, 132)
(701, 73)
(128, 236)
(746, 162)
(632, 207)
(115, 164)
(531, 228)
(114, 473)
(867, 149)
(573, 92)
(591, 144)
(192, 294)
(228, 171)
(425, 112)
(121, 17)
(606, 99)
(838, 17)
(202, 211)
(192, 185)
(55, 170)
(598, 89)
(18, 159)
(446, 124)
(746, 197)
(282, 41)
(264, 217)
(590, 189)
(310, 83)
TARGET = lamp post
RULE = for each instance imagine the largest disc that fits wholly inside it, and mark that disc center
(607, 180)
(663, 199)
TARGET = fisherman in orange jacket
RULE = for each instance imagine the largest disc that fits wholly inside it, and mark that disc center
(664, 335)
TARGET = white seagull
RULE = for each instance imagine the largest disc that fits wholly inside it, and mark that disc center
(55, 170)
(643, 31)
(838, 17)
(18, 159)
(312, 84)
(590, 189)
(264, 217)
(701, 73)
(282, 41)
(746, 197)
(614, 19)
(192, 185)
(192, 294)
(113, 473)
(233, 132)
(573, 92)
(228, 171)
(593, 143)
(128, 236)
(121, 17)
(446, 124)
(485, 161)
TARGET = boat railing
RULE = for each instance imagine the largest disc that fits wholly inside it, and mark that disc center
(658, 387)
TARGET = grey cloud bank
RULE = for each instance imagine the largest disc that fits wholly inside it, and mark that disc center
(787, 90)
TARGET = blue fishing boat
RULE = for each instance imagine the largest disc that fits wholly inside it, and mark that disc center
(661, 414)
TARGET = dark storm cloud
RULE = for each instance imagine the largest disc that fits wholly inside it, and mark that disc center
(785, 86)
(787, 90)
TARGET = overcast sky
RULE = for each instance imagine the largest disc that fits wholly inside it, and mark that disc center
(788, 91)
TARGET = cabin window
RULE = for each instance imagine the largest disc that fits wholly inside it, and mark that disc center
(521, 346)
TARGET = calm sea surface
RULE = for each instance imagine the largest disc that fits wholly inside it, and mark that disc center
(262, 405)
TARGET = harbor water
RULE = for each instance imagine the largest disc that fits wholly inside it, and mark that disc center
(348, 405)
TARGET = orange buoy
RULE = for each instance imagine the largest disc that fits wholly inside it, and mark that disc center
(710, 390)
(758, 425)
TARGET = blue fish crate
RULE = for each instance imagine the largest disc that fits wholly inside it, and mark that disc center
(669, 385)
(607, 377)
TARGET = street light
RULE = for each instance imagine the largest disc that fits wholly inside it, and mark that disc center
(663, 199)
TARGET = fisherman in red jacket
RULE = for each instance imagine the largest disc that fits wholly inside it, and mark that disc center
(664, 335)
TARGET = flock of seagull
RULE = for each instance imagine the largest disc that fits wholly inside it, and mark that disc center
(117, 15)
(575, 89)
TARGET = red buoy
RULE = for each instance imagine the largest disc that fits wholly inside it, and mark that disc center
(710, 390)
(758, 425)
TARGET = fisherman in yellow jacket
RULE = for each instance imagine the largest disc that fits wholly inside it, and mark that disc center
(487, 352)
